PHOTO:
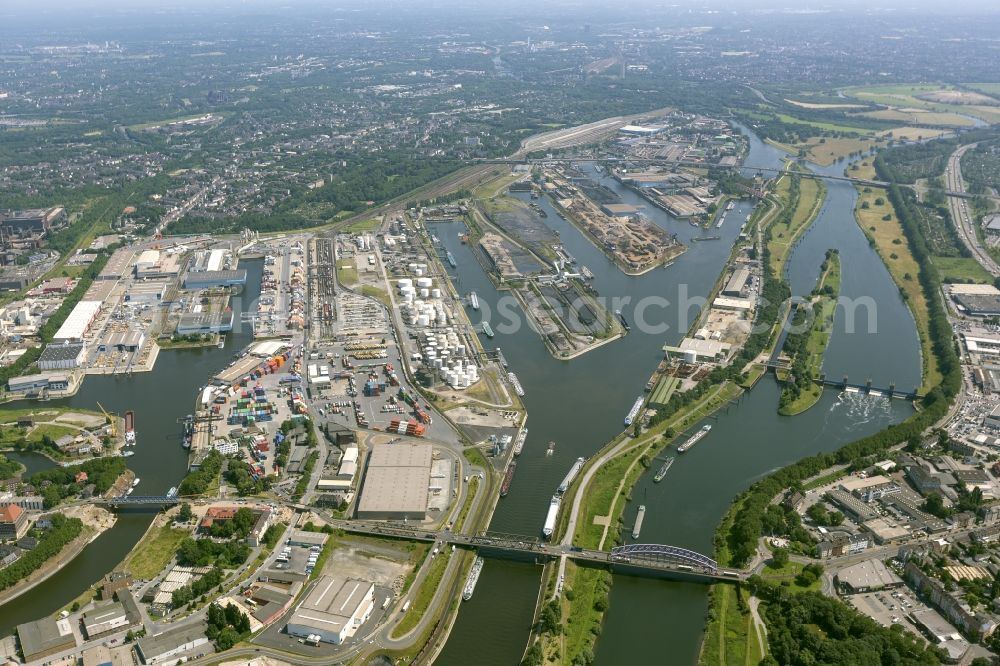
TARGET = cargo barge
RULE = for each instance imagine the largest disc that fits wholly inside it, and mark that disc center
(470, 582)
(474, 300)
(706, 238)
(632, 413)
(662, 472)
(638, 521)
(573, 471)
(507, 478)
(624, 322)
(550, 517)
(519, 445)
(451, 259)
(693, 439)
(130, 428)
(516, 383)
(487, 330)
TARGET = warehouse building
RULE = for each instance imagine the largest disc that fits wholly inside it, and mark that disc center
(78, 322)
(155, 264)
(214, 279)
(205, 322)
(306, 539)
(146, 292)
(333, 610)
(101, 655)
(167, 647)
(737, 284)
(34, 384)
(45, 637)
(62, 356)
(619, 210)
(396, 483)
(123, 341)
(105, 620)
(982, 300)
(118, 265)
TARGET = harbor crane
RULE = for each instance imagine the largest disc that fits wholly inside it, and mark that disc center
(112, 419)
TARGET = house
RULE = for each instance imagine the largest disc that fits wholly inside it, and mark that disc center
(846, 545)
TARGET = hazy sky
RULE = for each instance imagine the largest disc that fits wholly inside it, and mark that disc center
(135, 6)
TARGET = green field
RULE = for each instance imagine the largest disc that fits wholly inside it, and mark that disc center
(826, 127)
(961, 269)
(154, 552)
(730, 636)
(663, 390)
(783, 234)
(347, 274)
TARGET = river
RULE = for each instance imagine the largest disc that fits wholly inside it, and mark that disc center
(580, 405)
(158, 398)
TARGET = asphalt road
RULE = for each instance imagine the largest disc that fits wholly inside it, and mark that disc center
(960, 212)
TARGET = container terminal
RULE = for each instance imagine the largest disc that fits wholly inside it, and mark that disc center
(693, 439)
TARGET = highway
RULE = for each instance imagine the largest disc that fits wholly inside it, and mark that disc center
(960, 212)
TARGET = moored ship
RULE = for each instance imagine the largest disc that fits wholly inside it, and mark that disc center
(130, 428)
(519, 444)
(550, 517)
(474, 300)
(487, 330)
(662, 472)
(470, 583)
(693, 439)
(632, 413)
(451, 259)
(507, 478)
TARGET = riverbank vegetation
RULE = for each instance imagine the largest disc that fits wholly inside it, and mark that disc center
(156, 549)
(881, 224)
(50, 542)
(198, 481)
(58, 483)
(800, 199)
(812, 326)
(744, 524)
(731, 635)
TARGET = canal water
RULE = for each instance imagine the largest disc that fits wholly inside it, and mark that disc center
(580, 405)
(159, 399)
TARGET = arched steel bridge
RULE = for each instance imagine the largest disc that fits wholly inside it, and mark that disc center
(654, 552)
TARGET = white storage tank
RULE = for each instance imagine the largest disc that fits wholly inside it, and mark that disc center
(425, 293)
(424, 282)
(690, 356)
(423, 320)
(403, 283)
(436, 293)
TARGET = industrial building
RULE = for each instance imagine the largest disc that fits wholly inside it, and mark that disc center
(32, 384)
(117, 266)
(333, 610)
(78, 322)
(737, 284)
(693, 350)
(31, 221)
(977, 300)
(146, 292)
(45, 637)
(62, 356)
(164, 648)
(214, 279)
(205, 322)
(123, 341)
(305, 539)
(619, 210)
(867, 576)
(396, 482)
(105, 620)
(101, 655)
(155, 264)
